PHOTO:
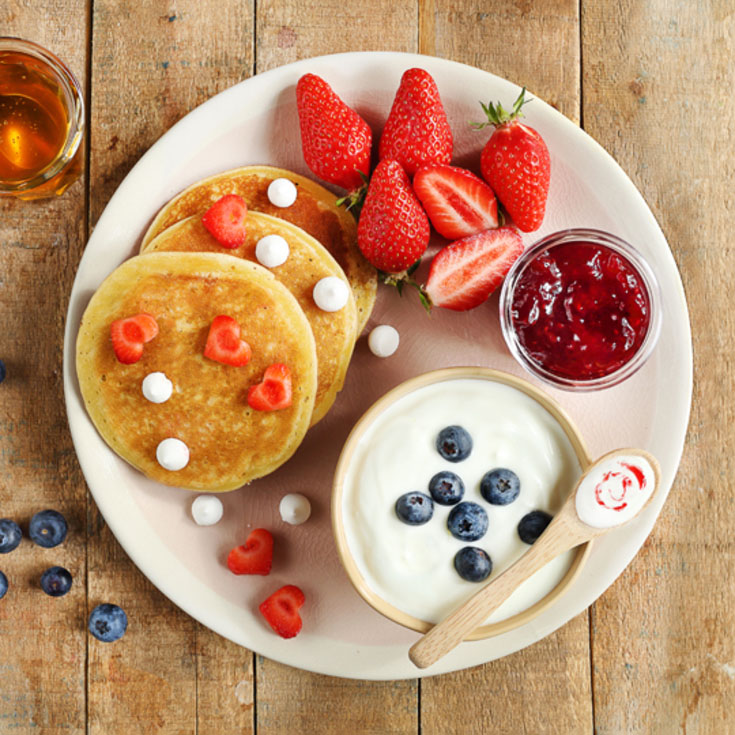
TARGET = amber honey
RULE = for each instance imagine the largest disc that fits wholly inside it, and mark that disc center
(41, 122)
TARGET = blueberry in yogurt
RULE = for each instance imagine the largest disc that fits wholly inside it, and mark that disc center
(467, 522)
(414, 508)
(473, 564)
(10, 535)
(500, 486)
(56, 581)
(446, 488)
(47, 528)
(454, 443)
(532, 525)
(108, 623)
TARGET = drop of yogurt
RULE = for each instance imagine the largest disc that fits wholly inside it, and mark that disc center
(383, 340)
(331, 293)
(295, 508)
(157, 388)
(206, 510)
(172, 454)
(281, 192)
(272, 251)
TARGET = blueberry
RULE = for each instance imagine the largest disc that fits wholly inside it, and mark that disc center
(532, 525)
(108, 623)
(414, 508)
(467, 522)
(10, 535)
(3, 371)
(47, 528)
(446, 488)
(500, 486)
(454, 443)
(56, 581)
(3, 585)
(472, 564)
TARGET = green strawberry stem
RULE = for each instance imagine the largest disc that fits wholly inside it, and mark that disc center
(399, 280)
(497, 115)
(353, 200)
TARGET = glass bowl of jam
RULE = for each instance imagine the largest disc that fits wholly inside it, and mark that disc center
(580, 310)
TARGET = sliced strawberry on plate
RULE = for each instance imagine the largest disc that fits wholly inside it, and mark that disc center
(224, 344)
(459, 204)
(255, 556)
(225, 220)
(274, 391)
(466, 272)
(281, 610)
(130, 334)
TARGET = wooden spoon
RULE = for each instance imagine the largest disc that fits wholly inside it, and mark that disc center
(612, 491)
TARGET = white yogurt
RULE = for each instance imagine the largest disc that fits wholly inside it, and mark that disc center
(383, 340)
(294, 508)
(206, 510)
(412, 567)
(157, 388)
(272, 251)
(615, 491)
(331, 293)
(282, 193)
(172, 454)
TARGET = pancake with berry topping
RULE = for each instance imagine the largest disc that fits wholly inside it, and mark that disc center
(306, 264)
(314, 211)
(236, 348)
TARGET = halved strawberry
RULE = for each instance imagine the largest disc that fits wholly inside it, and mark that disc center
(274, 391)
(224, 344)
(466, 272)
(281, 610)
(255, 556)
(459, 204)
(130, 334)
(225, 220)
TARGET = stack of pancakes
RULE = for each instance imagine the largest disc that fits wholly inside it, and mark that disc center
(185, 278)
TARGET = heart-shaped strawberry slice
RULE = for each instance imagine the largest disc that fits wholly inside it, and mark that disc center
(130, 334)
(281, 610)
(224, 344)
(255, 556)
(274, 392)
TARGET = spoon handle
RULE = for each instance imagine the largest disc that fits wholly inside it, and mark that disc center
(560, 536)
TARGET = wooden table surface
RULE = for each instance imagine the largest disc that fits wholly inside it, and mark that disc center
(652, 82)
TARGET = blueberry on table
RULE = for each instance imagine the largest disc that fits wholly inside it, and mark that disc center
(467, 521)
(414, 508)
(56, 581)
(454, 443)
(10, 535)
(500, 486)
(473, 564)
(47, 528)
(532, 525)
(108, 623)
(3, 372)
(446, 488)
(3, 585)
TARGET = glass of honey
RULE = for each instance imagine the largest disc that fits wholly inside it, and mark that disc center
(41, 122)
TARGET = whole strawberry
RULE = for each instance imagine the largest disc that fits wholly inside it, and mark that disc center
(417, 132)
(516, 164)
(335, 140)
(393, 230)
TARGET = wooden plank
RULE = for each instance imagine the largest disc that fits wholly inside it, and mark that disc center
(42, 639)
(657, 95)
(152, 63)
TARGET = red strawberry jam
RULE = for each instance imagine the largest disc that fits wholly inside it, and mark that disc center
(580, 310)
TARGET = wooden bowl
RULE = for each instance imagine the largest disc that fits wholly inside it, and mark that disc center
(366, 421)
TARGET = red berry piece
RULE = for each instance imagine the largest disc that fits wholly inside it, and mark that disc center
(225, 220)
(255, 556)
(417, 132)
(224, 344)
(130, 334)
(281, 610)
(274, 391)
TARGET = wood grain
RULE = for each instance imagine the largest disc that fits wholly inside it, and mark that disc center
(664, 653)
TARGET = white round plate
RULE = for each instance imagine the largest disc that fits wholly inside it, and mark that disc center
(256, 122)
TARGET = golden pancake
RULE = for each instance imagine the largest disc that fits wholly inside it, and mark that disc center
(230, 443)
(314, 211)
(307, 263)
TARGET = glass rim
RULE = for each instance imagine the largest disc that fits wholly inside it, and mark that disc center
(73, 102)
(639, 263)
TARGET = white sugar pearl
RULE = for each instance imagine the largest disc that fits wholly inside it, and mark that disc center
(157, 388)
(172, 454)
(383, 340)
(272, 251)
(295, 508)
(206, 510)
(331, 293)
(282, 192)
